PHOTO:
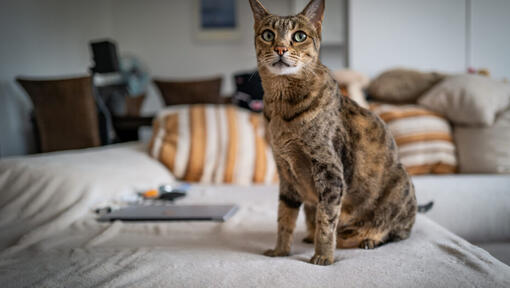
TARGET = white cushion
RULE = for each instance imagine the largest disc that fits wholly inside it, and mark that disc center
(484, 149)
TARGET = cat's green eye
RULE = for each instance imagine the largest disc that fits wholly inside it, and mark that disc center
(268, 35)
(300, 36)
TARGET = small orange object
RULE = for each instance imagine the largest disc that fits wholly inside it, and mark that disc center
(152, 193)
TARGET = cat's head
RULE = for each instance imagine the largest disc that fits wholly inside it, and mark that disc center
(287, 45)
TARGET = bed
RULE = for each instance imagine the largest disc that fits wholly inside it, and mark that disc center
(50, 236)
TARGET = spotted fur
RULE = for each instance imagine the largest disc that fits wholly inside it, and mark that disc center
(332, 155)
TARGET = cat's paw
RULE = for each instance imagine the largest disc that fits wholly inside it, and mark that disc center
(308, 239)
(276, 253)
(367, 244)
(322, 260)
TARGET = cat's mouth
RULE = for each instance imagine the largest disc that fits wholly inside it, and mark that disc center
(283, 67)
(280, 63)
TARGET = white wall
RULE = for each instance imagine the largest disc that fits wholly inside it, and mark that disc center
(160, 33)
(41, 38)
(428, 35)
(448, 36)
(490, 36)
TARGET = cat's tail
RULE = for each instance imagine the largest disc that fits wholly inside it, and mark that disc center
(425, 207)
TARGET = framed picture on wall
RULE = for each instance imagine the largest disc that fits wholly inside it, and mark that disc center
(216, 20)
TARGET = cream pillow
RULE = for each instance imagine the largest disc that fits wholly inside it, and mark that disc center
(468, 99)
(485, 149)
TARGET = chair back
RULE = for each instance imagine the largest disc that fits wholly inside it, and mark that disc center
(190, 92)
(65, 112)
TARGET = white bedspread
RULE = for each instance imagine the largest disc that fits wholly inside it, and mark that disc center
(50, 237)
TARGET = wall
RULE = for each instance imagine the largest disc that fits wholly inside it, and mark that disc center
(489, 40)
(161, 34)
(428, 35)
(41, 38)
(448, 36)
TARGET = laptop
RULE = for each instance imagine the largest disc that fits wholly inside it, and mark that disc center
(220, 213)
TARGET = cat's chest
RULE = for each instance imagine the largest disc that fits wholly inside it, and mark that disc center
(297, 167)
(291, 151)
(285, 136)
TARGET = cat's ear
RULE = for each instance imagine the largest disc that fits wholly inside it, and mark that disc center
(258, 10)
(314, 11)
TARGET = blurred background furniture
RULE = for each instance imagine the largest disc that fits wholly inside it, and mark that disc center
(127, 127)
(65, 112)
(205, 91)
(120, 83)
(249, 91)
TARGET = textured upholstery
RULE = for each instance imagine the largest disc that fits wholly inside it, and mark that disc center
(190, 92)
(65, 112)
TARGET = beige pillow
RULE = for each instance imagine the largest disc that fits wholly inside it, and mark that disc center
(485, 149)
(468, 99)
(402, 85)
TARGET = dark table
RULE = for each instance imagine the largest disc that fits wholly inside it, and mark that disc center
(126, 127)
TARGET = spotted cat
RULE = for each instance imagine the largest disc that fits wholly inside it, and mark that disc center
(333, 156)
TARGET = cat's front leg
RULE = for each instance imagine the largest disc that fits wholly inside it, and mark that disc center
(329, 183)
(310, 213)
(288, 209)
(325, 234)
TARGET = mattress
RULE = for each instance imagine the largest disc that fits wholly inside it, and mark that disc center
(50, 236)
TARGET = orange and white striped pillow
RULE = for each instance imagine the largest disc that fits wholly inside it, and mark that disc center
(424, 138)
(213, 144)
(225, 144)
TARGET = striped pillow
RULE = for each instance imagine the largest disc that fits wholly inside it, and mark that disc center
(213, 144)
(424, 138)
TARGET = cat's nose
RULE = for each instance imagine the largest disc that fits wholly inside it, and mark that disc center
(280, 50)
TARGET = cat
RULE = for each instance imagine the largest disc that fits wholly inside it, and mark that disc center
(333, 156)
